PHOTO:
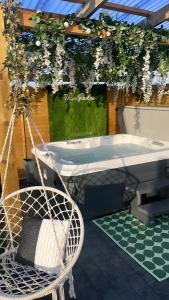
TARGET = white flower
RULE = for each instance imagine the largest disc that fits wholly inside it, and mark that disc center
(24, 86)
(127, 86)
(72, 66)
(38, 43)
(147, 78)
(134, 84)
(108, 33)
(88, 30)
(38, 11)
(66, 24)
(55, 87)
(162, 79)
(47, 62)
(99, 60)
(116, 93)
(60, 72)
(89, 81)
(166, 92)
(58, 68)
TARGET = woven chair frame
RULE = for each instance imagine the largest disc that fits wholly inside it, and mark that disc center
(24, 282)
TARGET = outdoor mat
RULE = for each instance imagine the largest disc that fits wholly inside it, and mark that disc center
(148, 246)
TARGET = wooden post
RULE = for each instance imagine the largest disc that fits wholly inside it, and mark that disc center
(12, 182)
(112, 120)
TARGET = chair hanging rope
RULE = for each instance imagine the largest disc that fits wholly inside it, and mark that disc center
(48, 153)
(9, 137)
(42, 182)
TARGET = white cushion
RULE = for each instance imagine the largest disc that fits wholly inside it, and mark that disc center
(50, 245)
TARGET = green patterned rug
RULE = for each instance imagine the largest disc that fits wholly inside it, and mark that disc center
(148, 246)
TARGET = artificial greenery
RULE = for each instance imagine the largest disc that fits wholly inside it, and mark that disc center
(126, 44)
(69, 119)
(16, 59)
(116, 53)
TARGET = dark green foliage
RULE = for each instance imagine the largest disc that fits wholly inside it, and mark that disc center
(72, 119)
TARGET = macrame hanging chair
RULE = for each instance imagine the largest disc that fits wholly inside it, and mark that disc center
(61, 238)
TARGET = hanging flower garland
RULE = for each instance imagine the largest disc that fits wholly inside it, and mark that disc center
(162, 76)
(134, 84)
(89, 82)
(72, 71)
(127, 86)
(147, 78)
(117, 53)
(58, 68)
(100, 59)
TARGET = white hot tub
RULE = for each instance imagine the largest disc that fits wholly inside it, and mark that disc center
(102, 173)
(90, 155)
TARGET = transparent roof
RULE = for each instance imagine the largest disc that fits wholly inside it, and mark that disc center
(65, 7)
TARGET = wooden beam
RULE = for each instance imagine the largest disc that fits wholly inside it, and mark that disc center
(127, 9)
(159, 16)
(120, 8)
(90, 6)
(24, 16)
(76, 1)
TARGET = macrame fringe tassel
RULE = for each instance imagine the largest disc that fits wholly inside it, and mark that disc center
(54, 295)
(71, 286)
(61, 293)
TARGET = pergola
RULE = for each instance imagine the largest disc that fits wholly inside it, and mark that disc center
(88, 8)
(91, 6)
(152, 18)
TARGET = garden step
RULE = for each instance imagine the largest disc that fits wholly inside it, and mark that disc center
(156, 208)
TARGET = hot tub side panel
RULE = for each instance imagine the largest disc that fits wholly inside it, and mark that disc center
(105, 192)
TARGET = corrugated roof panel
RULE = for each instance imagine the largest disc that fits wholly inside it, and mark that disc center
(152, 5)
(132, 18)
(115, 15)
(164, 24)
(64, 7)
(55, 6)
(119, 16)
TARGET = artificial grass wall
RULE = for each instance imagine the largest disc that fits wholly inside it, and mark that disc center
(72, 119)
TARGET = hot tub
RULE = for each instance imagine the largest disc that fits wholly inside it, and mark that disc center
(96, 162)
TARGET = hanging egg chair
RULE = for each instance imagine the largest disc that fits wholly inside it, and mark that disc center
(41, 236)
